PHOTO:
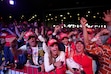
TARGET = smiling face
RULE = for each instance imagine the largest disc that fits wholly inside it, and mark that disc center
(32, 42)
(54, 49)
(79, 47)
(65, 41)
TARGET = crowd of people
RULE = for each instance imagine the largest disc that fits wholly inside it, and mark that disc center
(56, 50)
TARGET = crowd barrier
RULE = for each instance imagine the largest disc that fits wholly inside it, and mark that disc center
(26, 70)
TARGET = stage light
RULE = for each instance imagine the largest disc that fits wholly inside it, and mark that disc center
(46, 16)
(51, 18)
(55, 19)
(78, 14)
(97, 13)
(62, 20)
(86, 15)
(70, 16)
(11, 2)
(38, 19)
(64, 17)
(50, 14)
(35, 15)
(68, 13)
(10, 16)
(55, 16)
(61, 15)
(89, 12)
(48, 19)
(78, 18)
(94, 16)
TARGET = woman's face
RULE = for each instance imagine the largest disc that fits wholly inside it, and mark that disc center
(54, 49)
(79, 47)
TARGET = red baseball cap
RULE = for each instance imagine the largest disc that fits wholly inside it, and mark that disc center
(28, 34)
(51, 42)
(3, 35)
(63, 35)
(49, 32)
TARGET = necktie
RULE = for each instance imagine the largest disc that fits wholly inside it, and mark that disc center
(66, 52)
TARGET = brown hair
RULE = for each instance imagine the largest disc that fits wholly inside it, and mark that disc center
(50, 55)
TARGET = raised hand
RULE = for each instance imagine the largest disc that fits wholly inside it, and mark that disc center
(22, 34)
(107, 16)
(36, 32)
(57, 28)
(83, 21)
(58, 64)
(104, 31)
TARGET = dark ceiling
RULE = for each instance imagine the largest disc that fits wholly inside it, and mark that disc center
(33, 6)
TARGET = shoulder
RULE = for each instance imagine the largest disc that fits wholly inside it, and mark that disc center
(24, 47)
(62, 53)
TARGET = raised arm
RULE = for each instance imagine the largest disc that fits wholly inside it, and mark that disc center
(56, 30)
(17, 31)
(42, 30)
(21, 36)
(107, 17)
(83, 22)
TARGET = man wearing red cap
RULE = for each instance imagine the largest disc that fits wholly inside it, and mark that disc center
(34, 49)
(65, 40)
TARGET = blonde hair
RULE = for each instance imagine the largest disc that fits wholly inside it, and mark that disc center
(51, 57)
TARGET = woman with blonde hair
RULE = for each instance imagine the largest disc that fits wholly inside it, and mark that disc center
(54, 60)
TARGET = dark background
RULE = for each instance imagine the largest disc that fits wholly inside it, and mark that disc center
(29, 7)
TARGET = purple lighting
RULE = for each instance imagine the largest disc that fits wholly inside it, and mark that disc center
(11, 2)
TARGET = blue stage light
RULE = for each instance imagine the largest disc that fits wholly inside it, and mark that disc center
(11, 2)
